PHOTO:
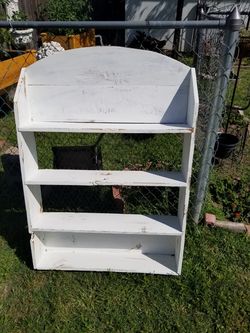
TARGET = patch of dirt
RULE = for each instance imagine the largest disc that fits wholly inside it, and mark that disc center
(4, 291)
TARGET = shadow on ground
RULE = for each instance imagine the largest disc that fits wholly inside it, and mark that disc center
(13, 221)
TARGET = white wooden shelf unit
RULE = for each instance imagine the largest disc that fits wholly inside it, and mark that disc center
(106, 90)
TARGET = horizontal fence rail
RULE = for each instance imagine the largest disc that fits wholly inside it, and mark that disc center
(218, 24)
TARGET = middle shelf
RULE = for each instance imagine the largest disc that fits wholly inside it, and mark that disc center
(107, 223)
(103, 177)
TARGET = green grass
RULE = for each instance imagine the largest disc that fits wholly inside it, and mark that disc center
(243, 88)
(212, 295)
(118, 151)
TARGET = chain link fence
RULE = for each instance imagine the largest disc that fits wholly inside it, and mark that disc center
(105, 151)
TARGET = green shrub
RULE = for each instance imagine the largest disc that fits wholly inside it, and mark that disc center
(5, 36)
(233, 196)
(66, 10)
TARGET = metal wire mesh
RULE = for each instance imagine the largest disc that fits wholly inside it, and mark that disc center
(117, 152)
(140, 152)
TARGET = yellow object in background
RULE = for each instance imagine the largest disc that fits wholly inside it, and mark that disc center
(10, 69)
(84, 39)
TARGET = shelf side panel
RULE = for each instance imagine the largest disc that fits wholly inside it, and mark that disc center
(21, 105)
(193, 100)
(184, 194)
(29, 164)
(187, 161)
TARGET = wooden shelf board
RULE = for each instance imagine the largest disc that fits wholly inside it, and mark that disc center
(79, 127)
(116, 261)
(107, 223)
(103, 177)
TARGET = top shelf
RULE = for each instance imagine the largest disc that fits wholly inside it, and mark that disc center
(115, 94)
(79, 127)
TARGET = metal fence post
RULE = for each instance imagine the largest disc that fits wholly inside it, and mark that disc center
(231, 37)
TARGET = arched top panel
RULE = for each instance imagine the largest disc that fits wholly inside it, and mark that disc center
(108, 84)
(107, 65)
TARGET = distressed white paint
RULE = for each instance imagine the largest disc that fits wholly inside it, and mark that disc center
(103, 127)
(107, 223)
(132, 262)
(187, 160)
(104, 177)
(112, 262)
(114, 103)
(105, 66)
(27, 153)
(37, 249)
(105, 252)
(20, 101)
(113, 90)
(149, 244)
(108, 84)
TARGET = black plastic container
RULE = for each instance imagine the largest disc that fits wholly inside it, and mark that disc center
(77, 157)
(225, 145)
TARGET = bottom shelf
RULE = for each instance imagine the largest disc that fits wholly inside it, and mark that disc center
(82, 260)
(60, 251)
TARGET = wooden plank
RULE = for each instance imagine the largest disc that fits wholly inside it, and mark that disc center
(126, 86)
(107, 65)
(109, 103)
(37, 249)
(193, 100)
(31, 8)
(134, 262)
(105, 252)
(28, 153)
(103, 127)
(28, 164)
(107, 223)
(154, 244)
(84, 39)
(187, 160)
(103, 177)
(20, 101)
(10, 69)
